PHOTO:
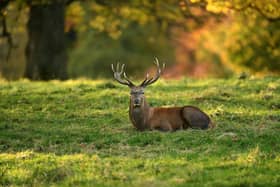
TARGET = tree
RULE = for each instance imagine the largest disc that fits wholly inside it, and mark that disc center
(267, 8)
(5, 32)
(136, 31)
(45, 51)
(251, 42)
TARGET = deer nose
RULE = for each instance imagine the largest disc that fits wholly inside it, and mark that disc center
(137, 101)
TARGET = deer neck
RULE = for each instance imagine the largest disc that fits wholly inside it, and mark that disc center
(140, 116)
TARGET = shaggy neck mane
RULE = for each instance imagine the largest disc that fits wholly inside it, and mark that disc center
(139, 116)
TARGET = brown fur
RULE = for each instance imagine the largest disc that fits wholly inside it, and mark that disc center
(167, 119)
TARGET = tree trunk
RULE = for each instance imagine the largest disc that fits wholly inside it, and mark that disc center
(45, 51)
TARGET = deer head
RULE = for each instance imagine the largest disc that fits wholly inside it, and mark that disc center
(137, 97)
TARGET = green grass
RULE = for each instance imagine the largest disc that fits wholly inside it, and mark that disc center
(77, 133)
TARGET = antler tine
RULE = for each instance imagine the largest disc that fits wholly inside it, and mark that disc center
(112, 66)
(147, 81)
(118, 73)
(122, 69)
(127, 79)
(158, 66)
(156, 61)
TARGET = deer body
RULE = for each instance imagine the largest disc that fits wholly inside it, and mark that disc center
(144, 117)
(167, 119)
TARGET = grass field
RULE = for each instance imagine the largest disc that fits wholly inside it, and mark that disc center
(77, 133)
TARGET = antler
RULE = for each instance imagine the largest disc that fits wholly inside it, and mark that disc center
(148, 81)
(118, 73)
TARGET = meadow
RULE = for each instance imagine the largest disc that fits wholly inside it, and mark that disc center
(77, 133)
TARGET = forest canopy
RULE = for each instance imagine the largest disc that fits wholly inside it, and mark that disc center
(196, 38)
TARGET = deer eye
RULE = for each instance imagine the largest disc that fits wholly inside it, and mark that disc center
(135, 92)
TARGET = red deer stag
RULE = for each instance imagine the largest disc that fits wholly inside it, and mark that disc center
(144, 117)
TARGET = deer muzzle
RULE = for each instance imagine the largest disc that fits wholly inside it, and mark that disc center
(137, 102)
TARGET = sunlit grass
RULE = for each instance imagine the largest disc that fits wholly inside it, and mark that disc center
(77, 133)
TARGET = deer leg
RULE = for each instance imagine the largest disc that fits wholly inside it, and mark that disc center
(165, 126)
(162, 126)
